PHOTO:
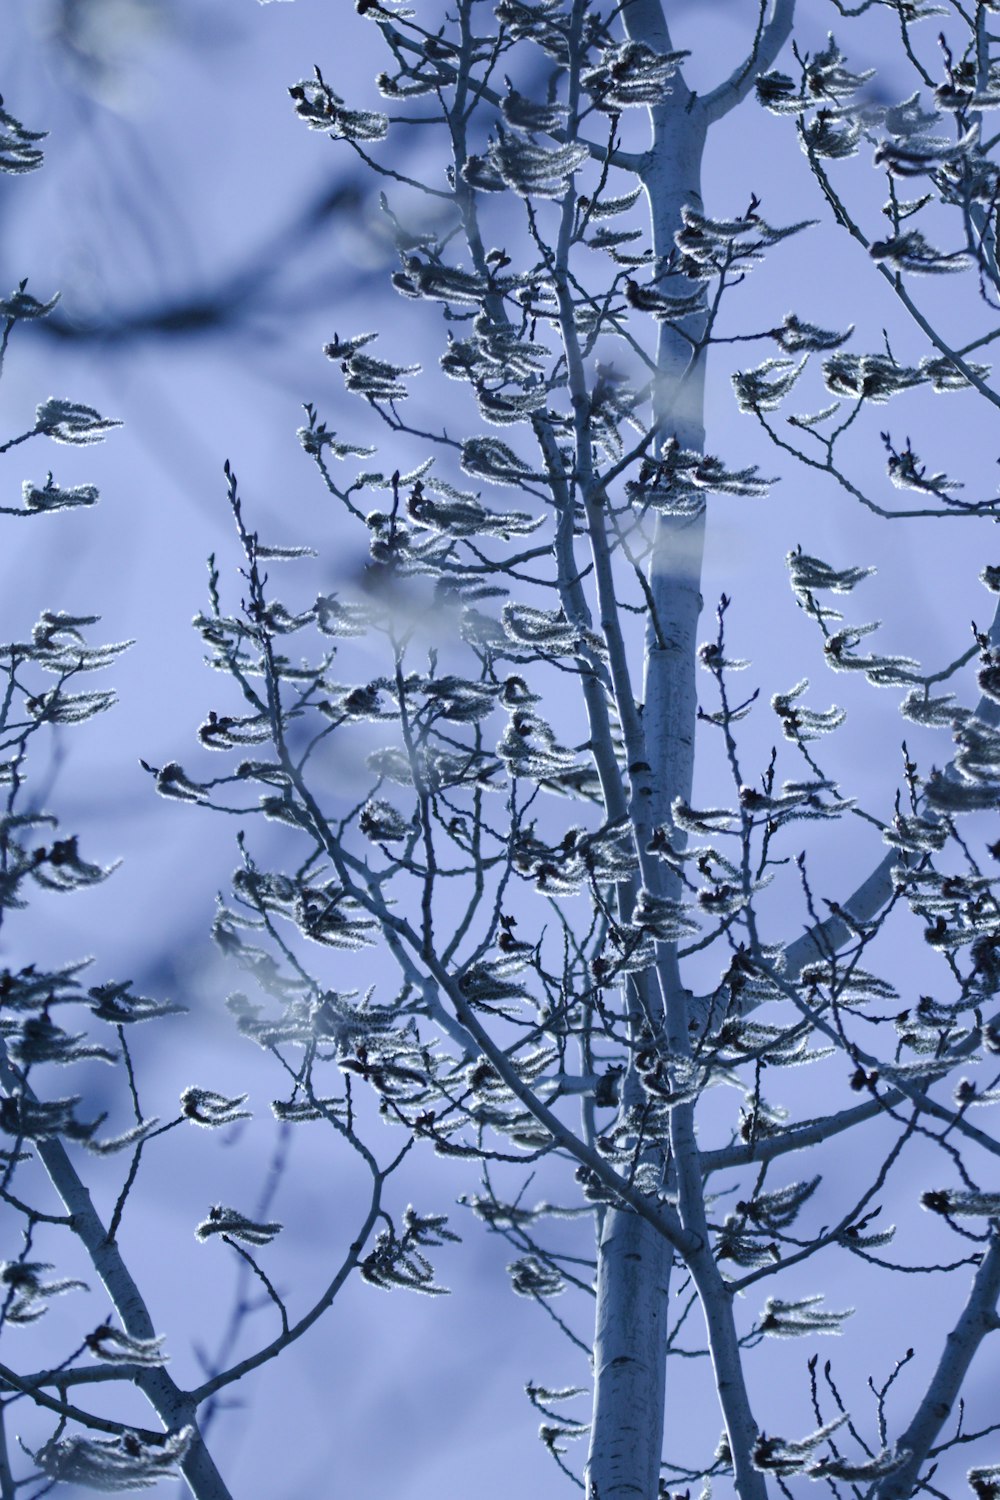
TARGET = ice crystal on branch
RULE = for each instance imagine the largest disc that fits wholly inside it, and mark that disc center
(18, 151)
(826, 76)
(490, 459)
(534, 171)
(53, 496)
(230, 1222)
(206, 1107)
(322, 109)
(125, 1463)
(911, 252)
(397, 1261)
(630, 75)
(523, 113)
(763, 389)
(539, 21)
(26, 1295)
(114, 1346)
(797, 1319)
(796, 336)
(21, 305)
(869, 377)
(71, 422)
(832, 136)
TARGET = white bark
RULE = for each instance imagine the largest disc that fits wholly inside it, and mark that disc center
(633, 1287)
(633, 1271)
(630, 1342)
(634, 1263)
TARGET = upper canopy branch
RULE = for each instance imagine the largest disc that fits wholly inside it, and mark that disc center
(646, 21)
(771, 37)
(628, 161)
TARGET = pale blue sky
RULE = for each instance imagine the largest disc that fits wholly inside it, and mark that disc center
(175, 165)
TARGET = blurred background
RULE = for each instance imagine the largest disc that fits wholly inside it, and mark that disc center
(206, 246)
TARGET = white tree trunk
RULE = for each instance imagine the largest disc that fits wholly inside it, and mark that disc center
(630, 1360)
(634, 1262)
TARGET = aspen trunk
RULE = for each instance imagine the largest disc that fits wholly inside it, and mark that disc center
(633, 1285)
(634, 1261)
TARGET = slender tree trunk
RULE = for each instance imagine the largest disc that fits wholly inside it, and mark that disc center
(633, 1283)
(634, 1262)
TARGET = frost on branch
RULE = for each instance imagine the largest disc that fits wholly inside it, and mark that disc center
(396, 1262)
(790, 1320)
(44, 1119)
(531, 1277)
(826, 77)
(677, 482)
(869, 377)
(322, 912)
(26, 1295)
(831, 135)
(909, 251)
(546, 630)
(460, 514)
(60, 868)
(523, 113)
(126, 1463)
(911, 152)
(801, 724)
(662, 917)
(38, 1039)
(777, 1455)
(534, 171)
(71, 422)
(21, 305)
(539, 21)
(114, 1346)
(18, 152)
(383, 823)
(490, 459)
(810, 573)
(763, 389)
(230, 1222)
(840, 650)
(630, 75)
(114, 1003)
(962, 1203)
(316, 437)
(710, 246)
(206, 1107)
(663, 306)
(777, 92)
(53, 496)
(378, 379)
(322, 109)
(799, 337)
(173, 781)
(778, 1209)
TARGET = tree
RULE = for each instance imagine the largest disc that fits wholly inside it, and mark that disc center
(573, 986)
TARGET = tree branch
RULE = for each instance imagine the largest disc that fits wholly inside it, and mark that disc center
(768, 42)
(978, 1318)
